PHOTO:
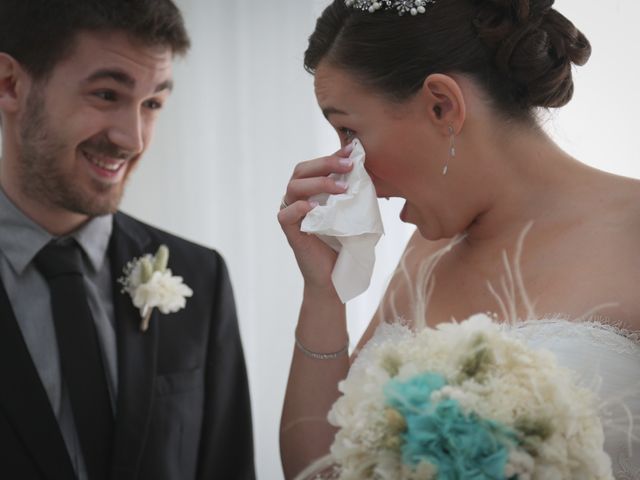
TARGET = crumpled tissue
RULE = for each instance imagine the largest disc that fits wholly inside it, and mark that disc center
(350, 224)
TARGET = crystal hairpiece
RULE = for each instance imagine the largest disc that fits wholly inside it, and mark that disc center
(413, 7)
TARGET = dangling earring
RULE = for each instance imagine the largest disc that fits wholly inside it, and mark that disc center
(452, 149)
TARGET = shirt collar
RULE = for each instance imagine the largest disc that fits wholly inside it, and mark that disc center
(94, 237)
(21, 238)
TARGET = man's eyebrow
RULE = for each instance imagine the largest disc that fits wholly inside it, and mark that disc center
(116, 75)
(166, 85)
(124, 79)
(330, 111)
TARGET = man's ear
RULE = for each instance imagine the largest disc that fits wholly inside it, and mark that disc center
(13, 84)
(445, 103)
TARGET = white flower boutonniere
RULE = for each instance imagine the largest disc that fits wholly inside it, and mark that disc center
(151, 284)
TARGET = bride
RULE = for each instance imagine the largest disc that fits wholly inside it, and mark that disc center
(443, 96)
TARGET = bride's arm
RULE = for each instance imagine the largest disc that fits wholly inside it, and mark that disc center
(305, 433)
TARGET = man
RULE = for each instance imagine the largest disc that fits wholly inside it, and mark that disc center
(81, 85)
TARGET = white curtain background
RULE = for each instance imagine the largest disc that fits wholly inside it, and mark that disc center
(243, 114)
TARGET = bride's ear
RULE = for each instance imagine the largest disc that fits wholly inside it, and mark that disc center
(444, 102)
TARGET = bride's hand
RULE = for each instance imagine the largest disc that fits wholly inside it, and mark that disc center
(315, 259)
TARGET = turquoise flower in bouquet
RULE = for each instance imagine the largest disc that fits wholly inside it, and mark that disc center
(461, 446)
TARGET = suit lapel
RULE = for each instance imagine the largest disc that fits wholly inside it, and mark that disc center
(25, 400)
(136, 355)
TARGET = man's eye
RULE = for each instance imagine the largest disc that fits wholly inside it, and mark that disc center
(153, 104)
(107, 95)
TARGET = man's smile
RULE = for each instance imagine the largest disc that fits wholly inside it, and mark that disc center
(107, 169)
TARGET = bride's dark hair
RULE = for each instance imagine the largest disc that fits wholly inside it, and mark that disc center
(519, 51)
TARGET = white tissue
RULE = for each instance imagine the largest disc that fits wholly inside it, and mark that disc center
(350, 223)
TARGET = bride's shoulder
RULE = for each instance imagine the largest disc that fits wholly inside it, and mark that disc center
(601, 265)
(599, 253)
(618, 206)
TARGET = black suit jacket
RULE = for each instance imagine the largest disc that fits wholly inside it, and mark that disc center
(183, 407)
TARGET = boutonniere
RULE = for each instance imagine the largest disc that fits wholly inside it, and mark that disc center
(151, 284)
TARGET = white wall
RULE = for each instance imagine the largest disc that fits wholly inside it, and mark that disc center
(243, 114)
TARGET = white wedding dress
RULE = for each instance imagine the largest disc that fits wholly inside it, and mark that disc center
(606, 360)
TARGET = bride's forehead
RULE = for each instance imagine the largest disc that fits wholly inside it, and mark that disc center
(334, 83)
(337, 89)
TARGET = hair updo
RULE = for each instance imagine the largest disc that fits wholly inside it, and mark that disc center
(519, 51)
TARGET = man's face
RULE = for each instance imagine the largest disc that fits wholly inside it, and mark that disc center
(82, 132)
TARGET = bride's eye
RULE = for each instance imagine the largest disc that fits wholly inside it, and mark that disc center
(347, 134)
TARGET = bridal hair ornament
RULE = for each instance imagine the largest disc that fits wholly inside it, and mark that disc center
(413, 7)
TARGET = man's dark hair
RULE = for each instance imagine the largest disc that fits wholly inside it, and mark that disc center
(39, 33)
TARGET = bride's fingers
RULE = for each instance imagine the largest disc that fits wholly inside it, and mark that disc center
(323, 166)
(291, 216)
(304, 188)
(315, 259)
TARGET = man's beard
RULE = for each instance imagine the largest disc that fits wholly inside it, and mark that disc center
(41, 175)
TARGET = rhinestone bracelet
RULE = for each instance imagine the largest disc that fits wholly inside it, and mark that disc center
(321, 356)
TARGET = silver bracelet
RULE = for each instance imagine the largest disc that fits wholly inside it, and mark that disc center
(322, 356)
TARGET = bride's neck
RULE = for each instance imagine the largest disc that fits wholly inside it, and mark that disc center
(533, 181)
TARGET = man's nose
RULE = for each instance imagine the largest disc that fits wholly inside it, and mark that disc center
(127, 132)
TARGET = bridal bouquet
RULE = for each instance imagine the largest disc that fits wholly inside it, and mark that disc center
(463, 401)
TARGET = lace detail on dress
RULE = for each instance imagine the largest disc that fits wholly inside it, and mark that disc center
(621, 340)
(632, 335)
(624, 470)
